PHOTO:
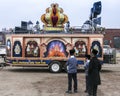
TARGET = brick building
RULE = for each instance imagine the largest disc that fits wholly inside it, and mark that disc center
(112, 38)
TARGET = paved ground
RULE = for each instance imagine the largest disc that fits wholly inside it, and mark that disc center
(18, 81)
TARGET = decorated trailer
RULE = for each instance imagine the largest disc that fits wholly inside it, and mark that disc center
(50, 50)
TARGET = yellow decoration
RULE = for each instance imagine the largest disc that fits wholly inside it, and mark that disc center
(54, 19)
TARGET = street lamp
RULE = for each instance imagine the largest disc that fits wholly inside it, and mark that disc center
(30, 27)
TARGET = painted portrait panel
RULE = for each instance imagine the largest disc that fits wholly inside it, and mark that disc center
(8, 43)
(32, 48)
(96, 45)
(56, 48)
(17, 49)
(80, 48)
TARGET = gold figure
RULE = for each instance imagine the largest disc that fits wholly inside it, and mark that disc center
(17, 49)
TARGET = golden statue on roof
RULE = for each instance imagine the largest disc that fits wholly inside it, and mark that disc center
(54, 19)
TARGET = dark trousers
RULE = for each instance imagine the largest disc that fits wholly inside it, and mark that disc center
(70, 77)
(92, 90)
(86, 83)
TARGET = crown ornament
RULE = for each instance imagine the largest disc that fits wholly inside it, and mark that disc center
(54, 19)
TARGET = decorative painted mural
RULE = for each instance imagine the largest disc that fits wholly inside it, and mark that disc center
(96, 45)
(17, 49)
(80, 48)
(8, 48)
(32, 49)
(56, 48)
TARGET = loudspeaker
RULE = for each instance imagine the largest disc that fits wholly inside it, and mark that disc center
(97, 6)
(24, 24)
(19, 30)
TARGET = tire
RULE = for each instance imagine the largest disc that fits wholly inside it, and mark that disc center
(55, 67)
(65, 68)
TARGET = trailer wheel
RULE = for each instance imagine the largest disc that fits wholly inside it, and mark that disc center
(65, 68)
(55, 67)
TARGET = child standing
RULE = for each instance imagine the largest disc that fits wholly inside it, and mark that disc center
(72, 72)
(86, 65)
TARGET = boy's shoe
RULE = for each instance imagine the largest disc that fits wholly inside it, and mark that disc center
(75, 91)
(68, 91)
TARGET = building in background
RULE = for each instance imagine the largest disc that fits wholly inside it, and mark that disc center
(112, 38)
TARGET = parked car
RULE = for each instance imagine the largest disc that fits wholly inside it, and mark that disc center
(3, 50)
(107, 49)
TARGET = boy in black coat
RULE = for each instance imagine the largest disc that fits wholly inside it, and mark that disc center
(94, 74)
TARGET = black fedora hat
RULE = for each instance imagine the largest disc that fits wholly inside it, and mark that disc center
(72, 52)
(87, 56)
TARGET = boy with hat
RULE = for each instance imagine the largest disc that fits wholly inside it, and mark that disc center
(72, 72)
(94, 74)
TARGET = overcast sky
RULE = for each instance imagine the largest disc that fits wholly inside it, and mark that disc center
(12, 12)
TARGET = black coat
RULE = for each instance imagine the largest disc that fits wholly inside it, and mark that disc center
(94, 71)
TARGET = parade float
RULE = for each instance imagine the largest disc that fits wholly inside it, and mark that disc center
(51, 48)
